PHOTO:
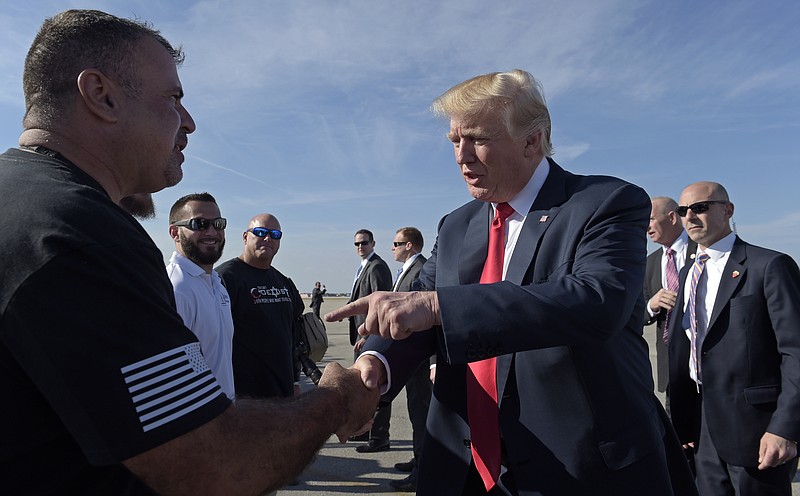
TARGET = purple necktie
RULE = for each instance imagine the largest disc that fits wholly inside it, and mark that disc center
(672, 285)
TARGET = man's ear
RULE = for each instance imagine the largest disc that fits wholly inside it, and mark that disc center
(173, 233)
(99, 94)
(673, 218)
(533, 144)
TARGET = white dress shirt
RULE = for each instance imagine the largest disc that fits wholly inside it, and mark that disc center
(706, 292)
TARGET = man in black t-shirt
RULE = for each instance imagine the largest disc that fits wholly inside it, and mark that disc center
(264, 304)
(106, 391)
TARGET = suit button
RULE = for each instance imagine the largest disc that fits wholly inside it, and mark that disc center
(467, 444)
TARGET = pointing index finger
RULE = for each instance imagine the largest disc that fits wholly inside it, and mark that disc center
(358, 307)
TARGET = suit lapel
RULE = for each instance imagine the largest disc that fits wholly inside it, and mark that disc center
(357, 284)
(729, 283)
(545, 208)
(475, 246)
(405, 275)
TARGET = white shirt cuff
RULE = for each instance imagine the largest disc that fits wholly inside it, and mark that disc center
(388, 385)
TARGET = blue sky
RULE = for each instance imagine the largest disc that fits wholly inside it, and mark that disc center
(317, 111)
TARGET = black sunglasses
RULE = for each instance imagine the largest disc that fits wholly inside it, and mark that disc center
(362, 243)
(263, 232)
(697, 208)
(201, 224)
(399, 243)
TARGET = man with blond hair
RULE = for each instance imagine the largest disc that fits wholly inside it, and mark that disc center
(534, 308)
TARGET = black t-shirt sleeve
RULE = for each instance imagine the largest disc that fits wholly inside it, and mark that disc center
(107, 353)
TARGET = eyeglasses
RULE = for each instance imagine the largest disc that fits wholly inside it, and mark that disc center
(362, 243)
(201, 224)
(697, 208)
(399, 243)
(263, 232)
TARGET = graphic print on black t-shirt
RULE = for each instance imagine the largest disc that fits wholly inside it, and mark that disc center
(266, 294)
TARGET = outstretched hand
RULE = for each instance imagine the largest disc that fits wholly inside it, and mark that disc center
(392, 315)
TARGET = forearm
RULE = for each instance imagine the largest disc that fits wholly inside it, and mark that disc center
(254, 447)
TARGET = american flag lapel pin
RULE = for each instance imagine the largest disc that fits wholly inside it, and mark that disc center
(735, 274)
(543, 219)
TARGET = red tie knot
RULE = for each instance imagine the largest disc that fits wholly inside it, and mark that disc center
(503, 211)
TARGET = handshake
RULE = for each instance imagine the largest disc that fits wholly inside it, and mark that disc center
(389, 315)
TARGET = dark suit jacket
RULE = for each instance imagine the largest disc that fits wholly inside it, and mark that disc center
(375, 276)
(411, 274)
(750, 357)
(573, 370)
(316, 297)
(652, 284)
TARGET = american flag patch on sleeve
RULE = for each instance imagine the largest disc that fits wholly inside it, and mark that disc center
(170, 385)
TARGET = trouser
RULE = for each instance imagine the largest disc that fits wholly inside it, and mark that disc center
(715, 477)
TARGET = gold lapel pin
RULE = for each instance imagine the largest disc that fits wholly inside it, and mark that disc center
(735, 274)
(542, 219)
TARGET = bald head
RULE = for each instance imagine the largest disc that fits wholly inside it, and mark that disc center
(708, 219)
(259, 251)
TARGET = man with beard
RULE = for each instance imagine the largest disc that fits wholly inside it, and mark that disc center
(265, 305)
(202, 301)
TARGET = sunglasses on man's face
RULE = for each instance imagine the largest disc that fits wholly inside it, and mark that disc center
(361, 243)
(263, 232)
(201, 224)
(697, 208)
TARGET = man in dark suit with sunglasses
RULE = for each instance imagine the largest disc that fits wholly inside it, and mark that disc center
(734, 357)
(265, 304)
(372, 275)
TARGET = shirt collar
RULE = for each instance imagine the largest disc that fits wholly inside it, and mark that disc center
(679, 244)
(524, 200)
(410, 261)
(187, 265)
(365, 260)
(721, 247)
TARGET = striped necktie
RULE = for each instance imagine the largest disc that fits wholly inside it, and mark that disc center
(697, 271)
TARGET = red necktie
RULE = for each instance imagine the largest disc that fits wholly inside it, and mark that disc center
(672, 285)
(482, 407)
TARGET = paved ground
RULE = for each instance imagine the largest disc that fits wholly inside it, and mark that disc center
(339, 469)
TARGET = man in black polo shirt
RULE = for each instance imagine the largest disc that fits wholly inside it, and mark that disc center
(106, 391)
